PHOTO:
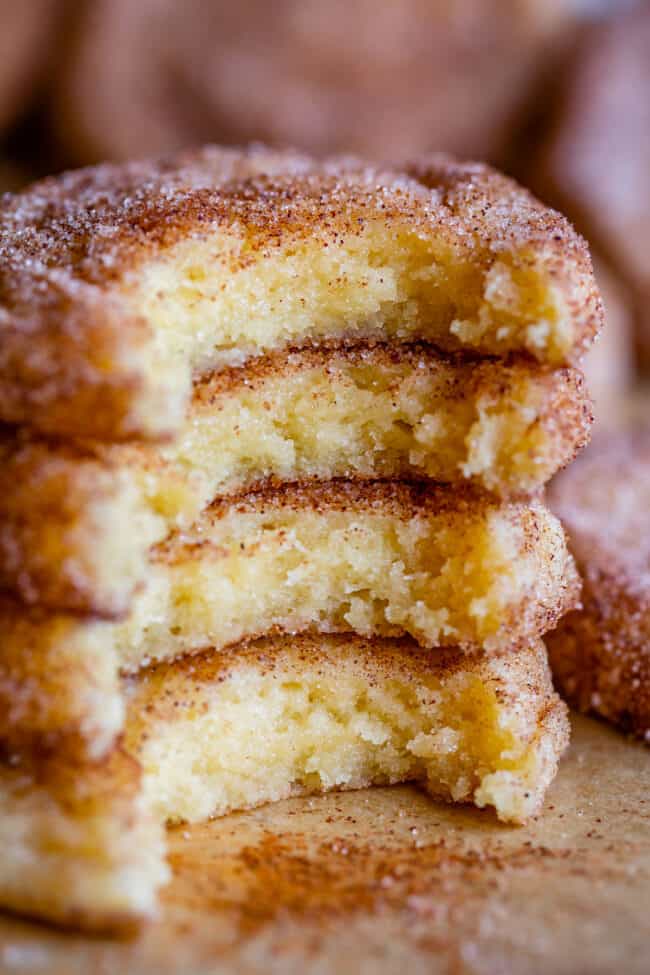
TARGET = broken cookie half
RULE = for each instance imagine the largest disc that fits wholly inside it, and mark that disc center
(279, 717)
(77, 519)
(376, 559)
(120, 284)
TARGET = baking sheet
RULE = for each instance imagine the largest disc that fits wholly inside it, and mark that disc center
(387, 881)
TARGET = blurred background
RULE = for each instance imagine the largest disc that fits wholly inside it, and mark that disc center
(555, 92)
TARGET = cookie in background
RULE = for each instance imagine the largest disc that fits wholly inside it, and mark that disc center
(383, 80)
(609, 366)
(595, 165)
(26, 34)
(600, 654)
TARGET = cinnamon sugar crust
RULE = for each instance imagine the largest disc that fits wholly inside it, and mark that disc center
(74, 531)
(81, 850)
(397, 499)
(119, 283)
(59, 690)
(600, 653)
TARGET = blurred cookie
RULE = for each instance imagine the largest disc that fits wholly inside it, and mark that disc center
(596, 166)
(25, 33)
(600, 654)
(609, 365)
(386, 80)
(12, 177)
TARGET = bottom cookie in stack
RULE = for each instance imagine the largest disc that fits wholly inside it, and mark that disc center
(600, 654)
(278, 717)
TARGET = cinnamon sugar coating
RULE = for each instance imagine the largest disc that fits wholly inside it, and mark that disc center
(59, 690)
(118, 283)
(80, 848)
(601, 653)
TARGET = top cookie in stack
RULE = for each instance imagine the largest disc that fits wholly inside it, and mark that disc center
(264, 317)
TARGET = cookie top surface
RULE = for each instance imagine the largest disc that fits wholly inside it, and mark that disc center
(94, 224)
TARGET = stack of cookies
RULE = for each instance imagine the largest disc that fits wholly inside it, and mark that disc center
(270, 524)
